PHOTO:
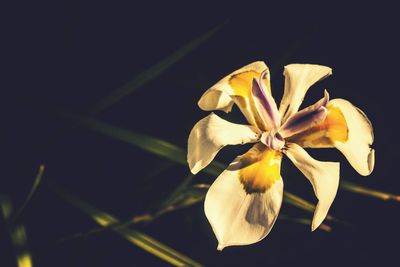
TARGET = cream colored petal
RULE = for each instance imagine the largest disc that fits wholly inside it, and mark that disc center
(236, 88)
(211, 134)
(238, 217)
(324, 177)
(298, 79)
(218, 97)
(214, 99)
(357, 149)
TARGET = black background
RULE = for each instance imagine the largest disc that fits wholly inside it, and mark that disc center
(69, 54)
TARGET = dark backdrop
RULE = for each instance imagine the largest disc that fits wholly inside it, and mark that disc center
(69, 54)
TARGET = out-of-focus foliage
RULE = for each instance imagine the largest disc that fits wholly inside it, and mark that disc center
(151, 73)
(134, 236)
(17, 234)
(362, 190)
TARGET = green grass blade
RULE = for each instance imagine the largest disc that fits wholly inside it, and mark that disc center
(17, 233)
(169, 151)
(135, 237)
(36, 182)
(349, 186)
(305, 221)
(140, 79)
(6, 208)
(298, 202)
(151, 73)
(150, 144)
(185, 197)
(181, 188)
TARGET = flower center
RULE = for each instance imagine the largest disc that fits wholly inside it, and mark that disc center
(273, 140)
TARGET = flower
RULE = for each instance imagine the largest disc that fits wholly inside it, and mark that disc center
(244, 201)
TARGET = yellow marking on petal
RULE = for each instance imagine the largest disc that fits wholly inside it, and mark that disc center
(241, 85)
(262, 169)
(336, 125)
(332, 129)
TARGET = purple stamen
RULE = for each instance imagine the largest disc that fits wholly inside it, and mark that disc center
(306, 118)
(265, 103)
(273, 140)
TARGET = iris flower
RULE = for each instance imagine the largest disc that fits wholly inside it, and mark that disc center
(244, 201)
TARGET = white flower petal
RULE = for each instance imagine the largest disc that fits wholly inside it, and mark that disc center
(357, 148)
(324, 177)
(236, 88)
(218, 97)
(214, 99)
(298, 79)
(238, 217)
(211, 134)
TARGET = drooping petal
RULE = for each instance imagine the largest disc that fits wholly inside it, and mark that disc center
(348, 129)
(324, 177)
(211, 134)
(244, 201)
(357, 149)
(298, 79)
(306, 118)
(214, 99)
(236, 88)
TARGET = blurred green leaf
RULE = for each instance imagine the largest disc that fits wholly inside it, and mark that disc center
(6, 207)
(19, 236)
(151, 73)
(182, 186)
(298, 202)
(157, 170)
(141, 79)
(349, 186)
(17, 233)
(135, 237)
(36, 182)
(186, 197)
(305, 221)
(24, 260)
